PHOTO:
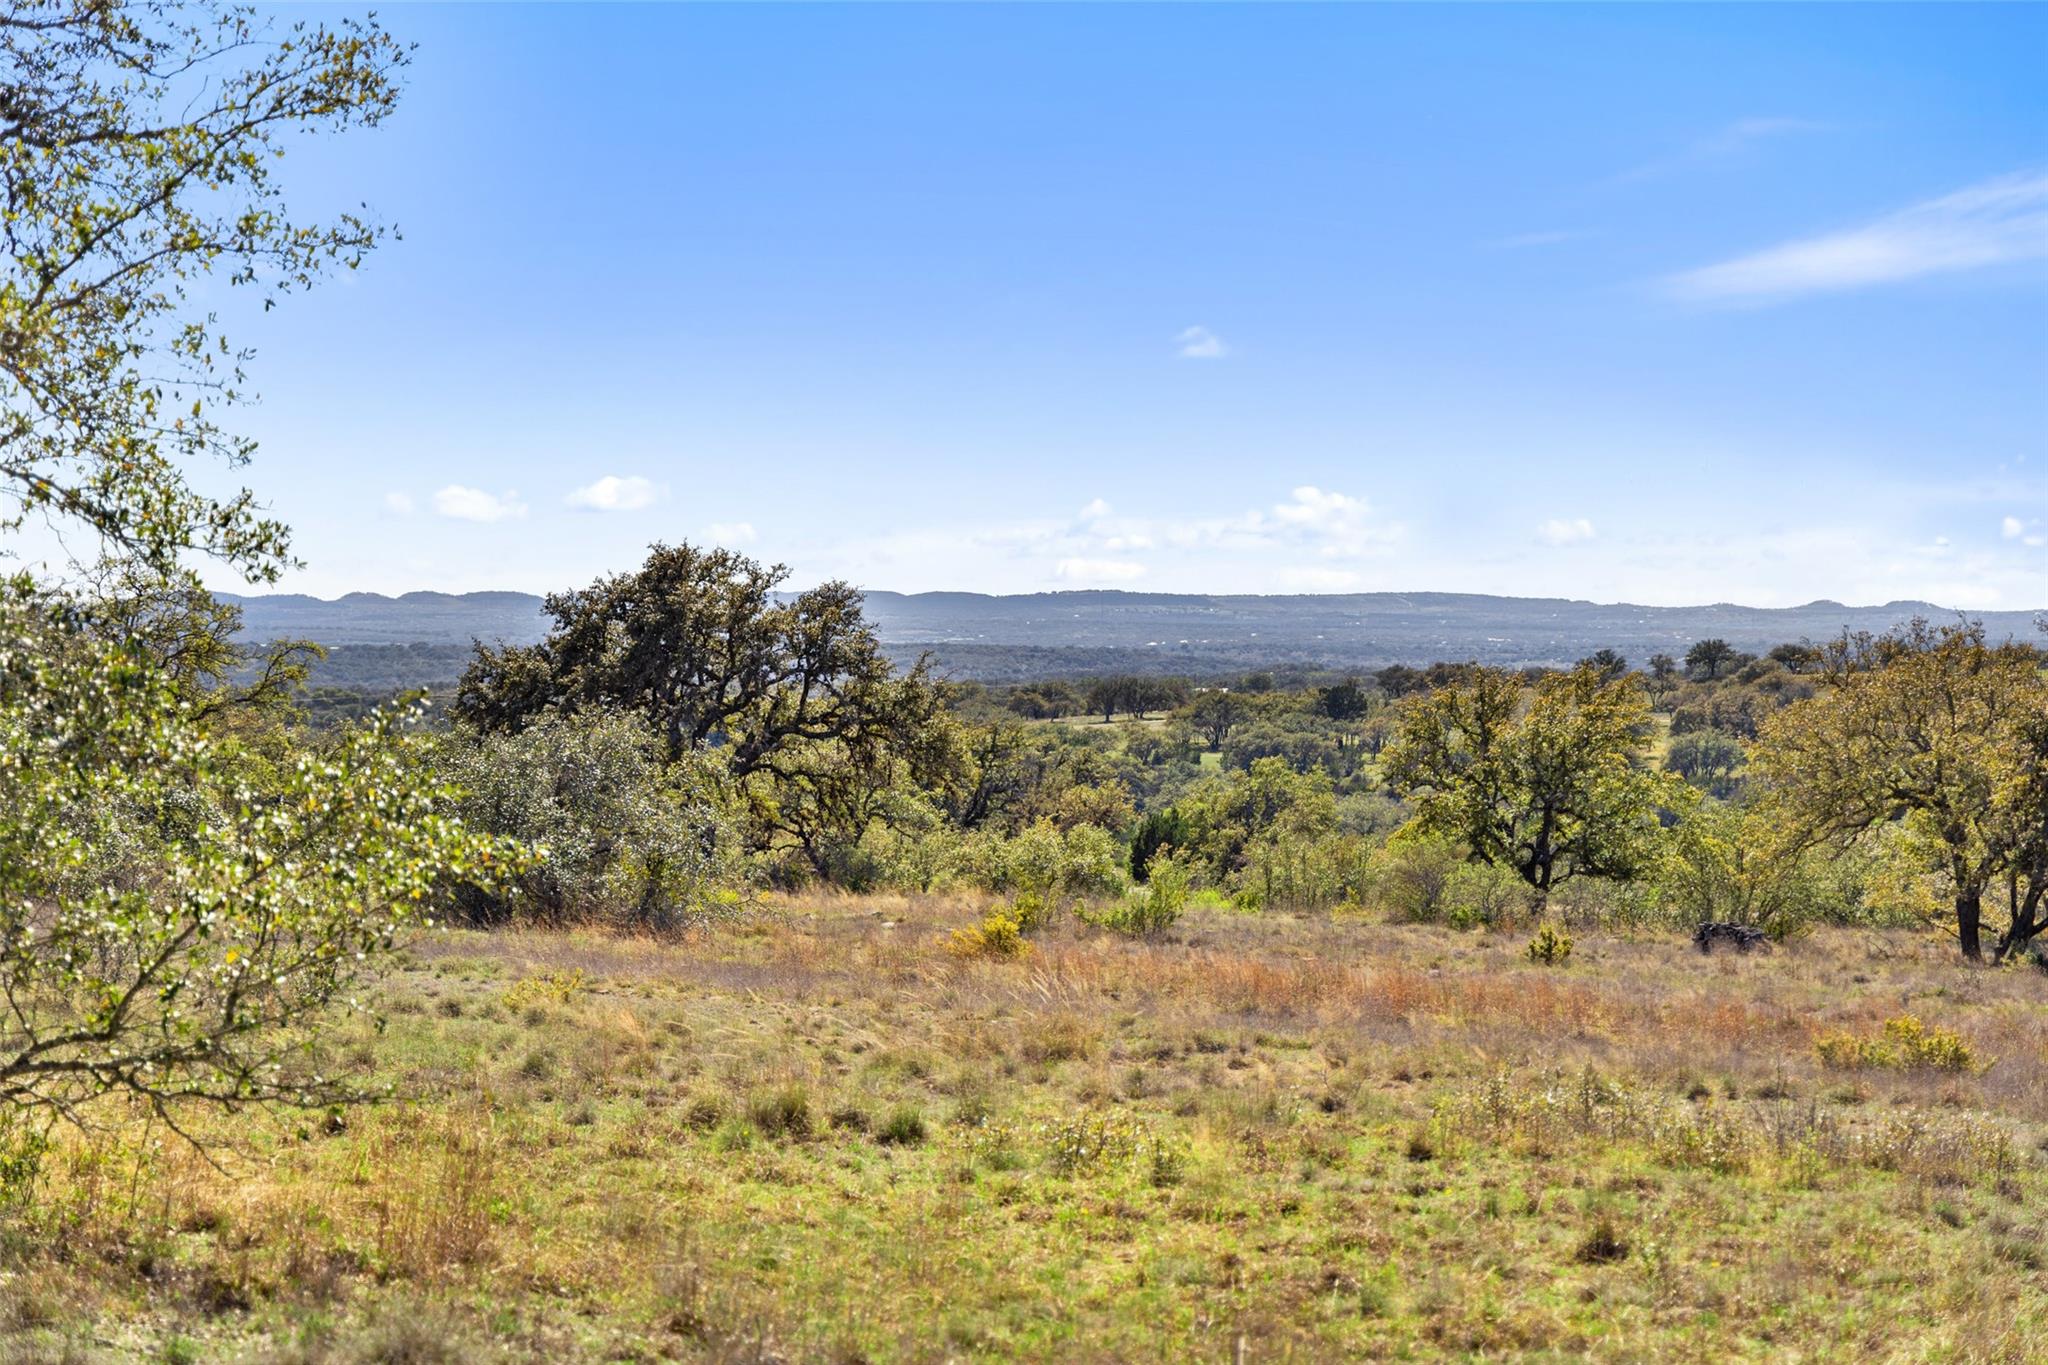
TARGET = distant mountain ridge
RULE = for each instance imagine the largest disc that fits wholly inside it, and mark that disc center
(976, 635)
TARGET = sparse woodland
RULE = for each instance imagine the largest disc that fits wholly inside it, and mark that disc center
(697, 984)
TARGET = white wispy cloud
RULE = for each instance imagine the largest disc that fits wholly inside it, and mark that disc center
(399, 504)
(1565, 531)
(731, 533)
(1098, 570)
(614, 494)
(474, 504)
(1725, 142)
(2012, 528)
(1096, 510)
(1744, 131)
(1992, 223)
(1199, 343)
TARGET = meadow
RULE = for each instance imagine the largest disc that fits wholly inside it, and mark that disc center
(821, 1133)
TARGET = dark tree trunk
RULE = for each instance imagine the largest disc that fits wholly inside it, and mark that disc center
(1969, 923)
(2026, 923)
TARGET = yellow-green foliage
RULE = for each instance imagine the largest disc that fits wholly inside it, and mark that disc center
(1097, 1141)
(1905, 1043)
(1000, 935)
(1033, 911)
(1551, 945)
(547, 988)
(1153, 909)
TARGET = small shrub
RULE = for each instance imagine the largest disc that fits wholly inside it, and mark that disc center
(1483, 895)
(1092, 1141)
(1155, 909)
(548, 988)
(903, 1128)
(1033, 911)
(1169, 1162)
(997, 936)
(784, 1113)
(1412, 875)
(992, 1145)
(1906, 1043)
(1551, 946)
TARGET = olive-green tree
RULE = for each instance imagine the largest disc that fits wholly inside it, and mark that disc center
(1935, 727)
(1548, 780)
(698, 642)
(1708, 658)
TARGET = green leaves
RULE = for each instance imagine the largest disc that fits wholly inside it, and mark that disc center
(173, 920)
(138, 147)
(1943, 732)
(1551, 784)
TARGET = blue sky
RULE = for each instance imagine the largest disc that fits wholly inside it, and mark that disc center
(1647, 303)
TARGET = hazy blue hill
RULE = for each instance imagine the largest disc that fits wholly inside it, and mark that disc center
(1044, 634)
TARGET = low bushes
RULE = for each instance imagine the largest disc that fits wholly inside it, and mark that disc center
(999, 935)
(620, 836)
(1151, 909)
(1550, 947)
(1905, 1043)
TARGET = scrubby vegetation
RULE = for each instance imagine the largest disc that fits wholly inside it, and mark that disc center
(801, 1005)
(818, 1134)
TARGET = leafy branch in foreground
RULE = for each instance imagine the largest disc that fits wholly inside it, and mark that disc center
(138, 155)
(172, 919)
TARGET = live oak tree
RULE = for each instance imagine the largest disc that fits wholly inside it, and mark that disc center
(1548, 781)
(1607, 663)
(1938, 729)
(1215, 713)
(1709, 657)
(792, 696)
(699, 643)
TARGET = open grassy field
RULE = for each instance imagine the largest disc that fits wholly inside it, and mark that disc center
(822, 1136)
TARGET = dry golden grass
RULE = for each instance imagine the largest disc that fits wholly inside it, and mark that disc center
(821, 1135)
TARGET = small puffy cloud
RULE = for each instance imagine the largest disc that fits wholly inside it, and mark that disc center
(1199, 343)
(474, 504)
(1338, 524)
(400, 504)
(1990, 223)
(1096, 510)
(1098, 570)
(614, 494)
(1565, 531)
(730, 533)
(2012, 528)
(1316, 509)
